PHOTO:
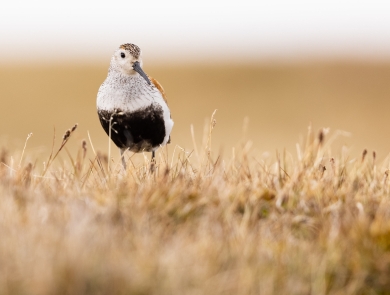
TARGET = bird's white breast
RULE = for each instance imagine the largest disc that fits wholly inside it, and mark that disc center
(129, 94)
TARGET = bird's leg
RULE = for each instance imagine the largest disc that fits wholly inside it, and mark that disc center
(153, 162)
(122, 151)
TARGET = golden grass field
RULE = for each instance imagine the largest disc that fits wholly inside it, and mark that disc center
(280, 100)
(275, 208)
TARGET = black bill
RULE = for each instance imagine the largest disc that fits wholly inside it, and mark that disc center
(137, 68)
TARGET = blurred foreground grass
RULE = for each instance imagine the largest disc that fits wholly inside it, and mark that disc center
(314, 223)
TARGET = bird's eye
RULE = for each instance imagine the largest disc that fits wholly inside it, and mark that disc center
(123, 55)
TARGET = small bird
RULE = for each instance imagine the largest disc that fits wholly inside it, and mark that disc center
(132, 106)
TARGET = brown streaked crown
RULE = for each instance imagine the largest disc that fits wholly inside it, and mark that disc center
(132, 48)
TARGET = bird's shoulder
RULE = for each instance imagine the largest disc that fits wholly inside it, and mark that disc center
(159, 87)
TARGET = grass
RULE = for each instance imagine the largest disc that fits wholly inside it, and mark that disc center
(306, 222)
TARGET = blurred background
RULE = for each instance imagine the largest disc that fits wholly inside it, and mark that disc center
(283, 65)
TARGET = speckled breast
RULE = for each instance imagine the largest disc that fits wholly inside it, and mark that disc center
(141, 130)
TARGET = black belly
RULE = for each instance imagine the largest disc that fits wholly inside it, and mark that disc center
(141, 130)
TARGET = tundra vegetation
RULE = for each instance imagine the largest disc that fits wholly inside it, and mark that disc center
(309, 221)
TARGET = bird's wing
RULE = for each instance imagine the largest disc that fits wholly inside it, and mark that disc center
(159, 87)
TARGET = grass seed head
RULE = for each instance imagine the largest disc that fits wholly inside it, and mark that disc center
(364, 154)
(321, 136)
(84, 145)
(66, 135)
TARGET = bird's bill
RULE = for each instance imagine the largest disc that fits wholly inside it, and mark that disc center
(138, 69)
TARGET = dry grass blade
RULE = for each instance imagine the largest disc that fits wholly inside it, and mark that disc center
(24, 148)
(65, 139)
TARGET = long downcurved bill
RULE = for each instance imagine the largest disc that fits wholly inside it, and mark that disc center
(138, 69)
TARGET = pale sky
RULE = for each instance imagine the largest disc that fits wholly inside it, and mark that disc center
(200, 30)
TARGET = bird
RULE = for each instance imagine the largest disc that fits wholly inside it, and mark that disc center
(132, 106)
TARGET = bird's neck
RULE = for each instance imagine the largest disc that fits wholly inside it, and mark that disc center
(114, 69)
(115, 72)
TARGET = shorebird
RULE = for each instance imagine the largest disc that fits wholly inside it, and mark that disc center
(132, 106)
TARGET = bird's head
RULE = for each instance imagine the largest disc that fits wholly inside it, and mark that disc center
(127, 59)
